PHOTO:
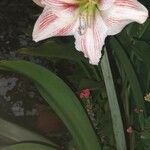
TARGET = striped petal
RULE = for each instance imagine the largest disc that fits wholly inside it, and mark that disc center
(62, 7)
(48, 25)
(105, 4)
(58, 2)
(92, 41)
(123, 12)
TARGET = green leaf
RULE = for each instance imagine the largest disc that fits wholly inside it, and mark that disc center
(60, 50)
(28, 146)
(126, 65)
(113, 104)
(60, 97)
(142, 50)
(147, 122)
(19, 134)
(145, 135)
(52, 49)
(139, 31)
(91, 84)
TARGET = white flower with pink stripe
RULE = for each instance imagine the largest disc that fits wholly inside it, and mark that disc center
(90, 21)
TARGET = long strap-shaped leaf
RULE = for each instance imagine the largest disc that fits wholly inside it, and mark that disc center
(113, 103)
(28, 146)
(20, 134)
(54, 50)
(60, 97)
(62, 51)
(131, 76)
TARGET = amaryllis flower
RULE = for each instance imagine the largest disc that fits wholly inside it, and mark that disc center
(90, 21)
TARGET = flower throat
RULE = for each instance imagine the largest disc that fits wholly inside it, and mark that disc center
(87, 14)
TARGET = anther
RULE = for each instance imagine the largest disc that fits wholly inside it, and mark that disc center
(83, 25)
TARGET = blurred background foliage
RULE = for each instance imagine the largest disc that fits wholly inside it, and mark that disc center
(128, 53)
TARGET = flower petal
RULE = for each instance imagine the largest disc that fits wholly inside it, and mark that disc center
(122, 13)
(48, 25)
(58, 2)
(61, 7)
(92, 41)
(105, 4)
(38, 2)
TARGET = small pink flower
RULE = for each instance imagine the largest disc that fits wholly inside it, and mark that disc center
(130, 130)
(85, 93)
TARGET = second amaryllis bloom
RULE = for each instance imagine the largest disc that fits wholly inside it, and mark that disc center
(90, 21)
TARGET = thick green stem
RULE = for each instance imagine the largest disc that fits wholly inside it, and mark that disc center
(113, 103)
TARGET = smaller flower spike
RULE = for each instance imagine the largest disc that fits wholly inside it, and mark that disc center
(89, 21)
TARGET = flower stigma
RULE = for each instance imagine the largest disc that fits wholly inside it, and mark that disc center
(86, 14)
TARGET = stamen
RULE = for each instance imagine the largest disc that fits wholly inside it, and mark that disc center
(87, 8)
(83, 24)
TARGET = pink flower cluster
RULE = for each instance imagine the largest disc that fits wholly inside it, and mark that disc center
(85, 93)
